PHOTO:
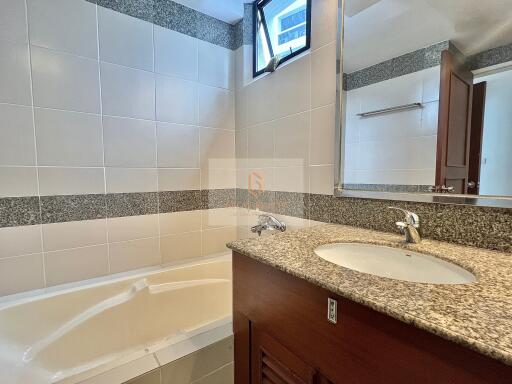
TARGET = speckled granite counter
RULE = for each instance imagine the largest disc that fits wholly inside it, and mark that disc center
(477, 315)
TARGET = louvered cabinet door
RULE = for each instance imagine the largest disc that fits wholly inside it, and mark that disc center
(274, 364)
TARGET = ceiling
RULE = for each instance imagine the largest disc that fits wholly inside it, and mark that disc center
(378, 30)
(230, 11)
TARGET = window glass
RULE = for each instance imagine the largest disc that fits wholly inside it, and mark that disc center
(282, 29)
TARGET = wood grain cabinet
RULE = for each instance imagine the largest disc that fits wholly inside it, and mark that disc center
(283, 336)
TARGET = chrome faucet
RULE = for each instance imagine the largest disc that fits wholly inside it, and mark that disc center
(410, 227)
(268, 222)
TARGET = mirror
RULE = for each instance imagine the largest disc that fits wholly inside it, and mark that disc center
(426, 97)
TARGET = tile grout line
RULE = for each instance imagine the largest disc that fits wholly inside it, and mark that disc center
(43, 255)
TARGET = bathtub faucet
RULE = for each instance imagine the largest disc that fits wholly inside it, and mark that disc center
(268, 222)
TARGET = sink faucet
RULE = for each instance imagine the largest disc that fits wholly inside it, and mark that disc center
(268, 222)
(410, 227)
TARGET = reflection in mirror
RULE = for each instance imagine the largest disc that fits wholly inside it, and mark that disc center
(427, 96)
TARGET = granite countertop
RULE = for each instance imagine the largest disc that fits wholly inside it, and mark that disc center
(476, 315)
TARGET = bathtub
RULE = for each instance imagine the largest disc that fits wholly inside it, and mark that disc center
(112, 331)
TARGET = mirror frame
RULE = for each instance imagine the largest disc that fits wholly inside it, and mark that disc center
(441, 198)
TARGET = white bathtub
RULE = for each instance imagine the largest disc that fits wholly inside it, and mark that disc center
(112, 331)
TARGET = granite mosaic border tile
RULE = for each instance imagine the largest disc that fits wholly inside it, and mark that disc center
(179, 18)
(244, 28)
(388, 187)
(402, 65)
(483, 227)
(178, 201)
(132, 204)
(218, 198)
(17, 211)
(491, 57)
(59, 209)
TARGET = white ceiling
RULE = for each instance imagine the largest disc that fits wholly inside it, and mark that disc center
(230, 11)
(380, 30)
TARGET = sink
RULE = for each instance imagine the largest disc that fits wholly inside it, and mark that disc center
(394, 263)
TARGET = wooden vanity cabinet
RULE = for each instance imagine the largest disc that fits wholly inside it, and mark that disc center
(283, 336)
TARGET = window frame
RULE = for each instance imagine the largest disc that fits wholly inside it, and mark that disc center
(258, 6)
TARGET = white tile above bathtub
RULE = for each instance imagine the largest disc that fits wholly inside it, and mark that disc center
(71, 181)
(179, 179)
(125, 40)
(219, 217)
(16, 135)
(323, 76)
(74, 234)
(21, 273)
(180, 246)
(216, 107)
(176, 100)
(167, 62)
(215, 240)
(132, 227)
(15, 73)
(64, 25)
(64, 81)
(178, 145)
(134, 254)
(76, 264)
(180, 222)
(125, 180)
(18, 181)
(16, 241)
(13, 21)
(216, 65)
(218, 178)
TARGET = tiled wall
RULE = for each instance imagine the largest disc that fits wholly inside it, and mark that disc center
(285, 120)
(116, 136)
(394, 148)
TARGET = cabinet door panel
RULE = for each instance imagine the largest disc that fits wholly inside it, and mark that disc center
(274, 364)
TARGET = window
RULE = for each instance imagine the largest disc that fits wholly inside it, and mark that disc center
(281, 29)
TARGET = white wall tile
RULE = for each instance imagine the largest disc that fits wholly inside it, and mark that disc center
(429, 119)
(125, 40)
(178, 145)
(74, 234)
(132, 227)
(127, 92)
(219, 218)
(431, 84)
(64, 81)
(322, 139)
(176, 179)
(22, 240)
(129, 142)
(323, 22)
(321, 179)
(22, 273)
(176, 100)
(13, 21)
(217, 149)
(175, 54)
(68, 138)
(241, 148)
(291, 135)
(124, 180)
(215, 240)
(14, 73)
(18, 181)
(291, 179)
(216, 107)
(261, 145)
(262, 99)
(16, 135)
(218, 178)
(323, 76)
(292, 87)
(71, 181)
(180, 247)
(134, 254)
(180, 222)
(64, 25)
(216, 65)
(389, 127)
(76, 264)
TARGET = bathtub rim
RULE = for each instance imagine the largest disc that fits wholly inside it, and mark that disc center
(16, 299)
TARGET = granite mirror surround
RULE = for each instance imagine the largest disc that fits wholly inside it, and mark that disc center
(424, 116)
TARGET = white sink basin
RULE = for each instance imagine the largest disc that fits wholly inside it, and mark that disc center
(394, 263)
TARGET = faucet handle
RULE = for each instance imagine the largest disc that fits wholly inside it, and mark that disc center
(411, 218)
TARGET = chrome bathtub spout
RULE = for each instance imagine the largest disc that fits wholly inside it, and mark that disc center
(410, 227)
(268, 223)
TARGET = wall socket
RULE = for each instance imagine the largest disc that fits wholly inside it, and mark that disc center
(332, 310)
